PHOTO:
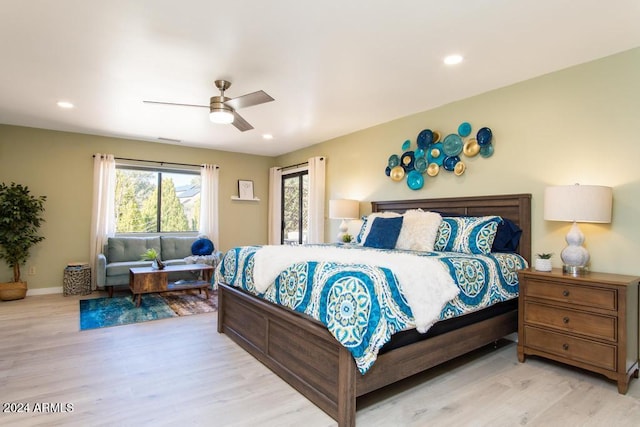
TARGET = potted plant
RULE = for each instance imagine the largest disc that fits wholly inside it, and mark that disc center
(20, 219)
(346, 238)
(543, 262)
(152, 255)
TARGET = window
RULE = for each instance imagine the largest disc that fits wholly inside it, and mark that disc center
(295, 204)
(156, 200)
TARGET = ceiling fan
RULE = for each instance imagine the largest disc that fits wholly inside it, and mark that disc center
(222, 109)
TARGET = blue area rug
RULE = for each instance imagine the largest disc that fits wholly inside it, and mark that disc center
(121, 310)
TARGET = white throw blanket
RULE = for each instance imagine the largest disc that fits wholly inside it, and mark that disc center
(424, 282)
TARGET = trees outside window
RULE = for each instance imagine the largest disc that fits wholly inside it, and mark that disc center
(295, 204)
(154, 201)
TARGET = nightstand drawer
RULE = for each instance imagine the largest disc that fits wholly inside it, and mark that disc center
(581, 295)
(593, 353)
(592, 325)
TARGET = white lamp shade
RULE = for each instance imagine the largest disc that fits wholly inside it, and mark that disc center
(344, 209)
(578, 203)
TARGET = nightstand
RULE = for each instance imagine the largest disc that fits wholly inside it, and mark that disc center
(589, 321)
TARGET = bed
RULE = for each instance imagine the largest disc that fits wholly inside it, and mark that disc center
(306, 355)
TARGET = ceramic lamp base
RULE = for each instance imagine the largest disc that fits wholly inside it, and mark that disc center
(343, 230)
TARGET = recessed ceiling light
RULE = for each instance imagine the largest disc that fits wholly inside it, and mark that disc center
(65, 104)
(453, 59)
(267, 136)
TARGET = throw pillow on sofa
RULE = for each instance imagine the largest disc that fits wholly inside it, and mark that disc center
(202, 247)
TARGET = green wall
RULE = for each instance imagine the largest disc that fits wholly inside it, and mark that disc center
(575, 125)
(60, 166)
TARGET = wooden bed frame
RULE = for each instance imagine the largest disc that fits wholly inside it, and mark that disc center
(303, 353)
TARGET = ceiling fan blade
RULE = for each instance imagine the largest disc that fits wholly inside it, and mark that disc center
(174, 103)
(249, 100)
(241, 124)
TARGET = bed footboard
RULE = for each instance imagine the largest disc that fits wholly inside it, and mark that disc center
(298, 349)
(302, 352)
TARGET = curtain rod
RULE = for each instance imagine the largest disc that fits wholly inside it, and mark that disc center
(296, 165)
(160, 163)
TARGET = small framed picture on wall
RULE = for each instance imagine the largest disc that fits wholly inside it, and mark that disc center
(245, 189)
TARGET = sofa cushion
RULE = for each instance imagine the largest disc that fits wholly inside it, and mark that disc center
(120, 268)
(122, 249)
(174, 247)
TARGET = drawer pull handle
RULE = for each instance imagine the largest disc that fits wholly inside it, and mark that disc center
(565, 320)
(565, 293)
(565, 346)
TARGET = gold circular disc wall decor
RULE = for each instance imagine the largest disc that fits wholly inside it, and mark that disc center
(397, 173)
(471, 148)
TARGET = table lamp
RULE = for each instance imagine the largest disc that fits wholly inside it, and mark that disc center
(343, 209)
(577, 203)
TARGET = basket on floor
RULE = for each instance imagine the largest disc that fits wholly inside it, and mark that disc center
(13, 291)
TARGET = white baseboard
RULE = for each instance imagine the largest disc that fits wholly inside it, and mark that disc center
(44, 291)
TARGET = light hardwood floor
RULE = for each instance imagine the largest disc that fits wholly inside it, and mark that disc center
(180, 371)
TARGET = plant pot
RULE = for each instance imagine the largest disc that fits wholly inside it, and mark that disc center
(543, 264)
(13, 290)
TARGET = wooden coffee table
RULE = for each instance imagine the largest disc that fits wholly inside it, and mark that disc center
(144, 280)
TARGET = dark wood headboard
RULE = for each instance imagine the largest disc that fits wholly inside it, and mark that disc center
(516, 207)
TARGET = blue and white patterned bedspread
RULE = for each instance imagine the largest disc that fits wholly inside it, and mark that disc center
(362, 305)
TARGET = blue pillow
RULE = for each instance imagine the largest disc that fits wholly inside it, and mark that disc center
(384, 233)
(507, 237)
(471, 235)
(202, 247)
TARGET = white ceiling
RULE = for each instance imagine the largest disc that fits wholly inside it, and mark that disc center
(333, 66)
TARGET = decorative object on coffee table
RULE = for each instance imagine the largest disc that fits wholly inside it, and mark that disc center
(18, 233)
(152, 255)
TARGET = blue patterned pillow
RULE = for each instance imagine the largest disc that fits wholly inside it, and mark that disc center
(360, 236)
(471, 235)
(384, 233)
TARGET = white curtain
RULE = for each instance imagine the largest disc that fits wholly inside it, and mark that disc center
(103, 218)
(275, 206)
(209, 175)
(316, 200)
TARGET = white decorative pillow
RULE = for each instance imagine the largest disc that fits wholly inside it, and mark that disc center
(366, 226)
(419, 230)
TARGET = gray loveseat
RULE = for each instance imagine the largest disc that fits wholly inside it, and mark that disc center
(122, 253)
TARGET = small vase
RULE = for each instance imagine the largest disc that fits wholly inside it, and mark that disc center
(157, 264)
(543, 264)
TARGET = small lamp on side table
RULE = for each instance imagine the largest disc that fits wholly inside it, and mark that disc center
(577, 203)
(343, 209)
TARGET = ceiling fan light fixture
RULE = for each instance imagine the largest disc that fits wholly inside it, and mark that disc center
(221, 116)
